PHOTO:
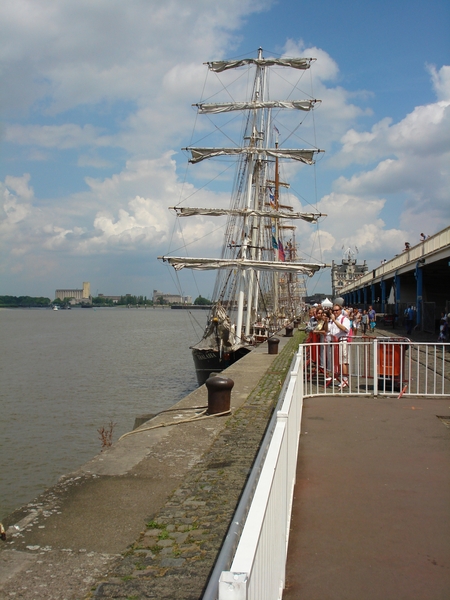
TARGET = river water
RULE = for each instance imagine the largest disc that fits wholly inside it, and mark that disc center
(64, 374)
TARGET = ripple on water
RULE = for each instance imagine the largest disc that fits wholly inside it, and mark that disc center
(65, 374)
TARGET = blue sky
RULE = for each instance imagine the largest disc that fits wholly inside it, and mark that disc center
(95, 102)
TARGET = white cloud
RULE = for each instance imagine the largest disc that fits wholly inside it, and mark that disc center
(70, 53)
(144, 57)
(91, 160)
(15, 218)
(145, 222)
(326, 68)
(95, 76)
(17, 208)
(15, 212)
(62, 137)
(441, 81)
(352, 222)
(19, 185)
(406, 162)
(337, 111)
(424, 132)
(114, 217)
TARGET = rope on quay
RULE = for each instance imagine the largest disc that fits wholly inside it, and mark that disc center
(198, 417)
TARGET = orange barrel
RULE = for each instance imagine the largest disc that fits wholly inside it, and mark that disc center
(391, 356)
(391, 362)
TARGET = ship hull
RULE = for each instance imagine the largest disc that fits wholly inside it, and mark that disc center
(210, 361)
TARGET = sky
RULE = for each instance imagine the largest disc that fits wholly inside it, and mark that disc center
(95, 106)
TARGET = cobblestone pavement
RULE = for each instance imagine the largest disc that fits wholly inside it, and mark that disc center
(173, 557)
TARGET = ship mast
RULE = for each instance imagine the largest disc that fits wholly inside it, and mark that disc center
(277, 238)
(256, 232)
(255, 140)
(248, 216)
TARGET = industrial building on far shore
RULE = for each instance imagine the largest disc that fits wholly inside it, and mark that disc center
(83, 296)
(76, 296)
(170, 298)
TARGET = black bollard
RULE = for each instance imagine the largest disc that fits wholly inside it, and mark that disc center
(273, 345)
(289, 330)
(219, 394)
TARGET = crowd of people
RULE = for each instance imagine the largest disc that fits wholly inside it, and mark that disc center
(360, 322)
(338, 323)
(330, 328)
(444, 327)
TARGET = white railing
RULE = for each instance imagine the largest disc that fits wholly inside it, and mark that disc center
(258, 568)
(375, 366)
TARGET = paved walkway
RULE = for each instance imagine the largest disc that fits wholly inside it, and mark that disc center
(371, 514)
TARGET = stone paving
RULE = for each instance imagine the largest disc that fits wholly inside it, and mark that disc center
(173, 557)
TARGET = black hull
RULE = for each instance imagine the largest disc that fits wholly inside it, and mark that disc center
(209, 361)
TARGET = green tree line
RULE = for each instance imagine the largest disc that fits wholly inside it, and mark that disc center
(200, 301)
(124, 300)
(25, 301)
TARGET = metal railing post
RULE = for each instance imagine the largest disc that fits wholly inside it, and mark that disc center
(375, 367)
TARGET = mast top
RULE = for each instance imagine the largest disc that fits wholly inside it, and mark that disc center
(218, 66)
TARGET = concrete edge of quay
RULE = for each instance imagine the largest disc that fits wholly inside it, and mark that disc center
(149, 513)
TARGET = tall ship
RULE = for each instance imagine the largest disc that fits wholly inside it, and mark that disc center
(261, 278)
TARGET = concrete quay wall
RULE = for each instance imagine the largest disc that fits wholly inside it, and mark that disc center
(147, 517)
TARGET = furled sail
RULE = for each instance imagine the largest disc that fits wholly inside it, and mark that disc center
(302, 155)
(245, 212)
(261, 279)
(214, 108)
(205, 264)
(218, 66)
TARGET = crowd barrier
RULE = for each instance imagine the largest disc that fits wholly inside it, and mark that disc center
(376, 366)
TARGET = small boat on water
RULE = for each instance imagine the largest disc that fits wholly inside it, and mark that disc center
(55, 307)
(261, 277)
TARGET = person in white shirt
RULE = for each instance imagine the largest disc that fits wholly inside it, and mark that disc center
(338, 330)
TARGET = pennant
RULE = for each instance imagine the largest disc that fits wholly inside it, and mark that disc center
(271, 198)
(274, 243)
(281, 255)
